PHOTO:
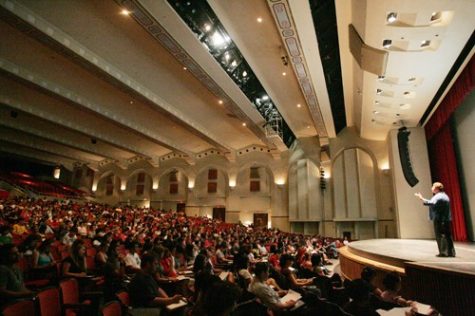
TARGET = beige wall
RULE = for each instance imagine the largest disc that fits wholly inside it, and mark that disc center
(411, 216)
(361, 172)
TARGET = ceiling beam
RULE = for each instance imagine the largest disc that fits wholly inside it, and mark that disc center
(34, 26)
(39, 134)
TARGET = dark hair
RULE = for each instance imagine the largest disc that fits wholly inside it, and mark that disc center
(391, 280)
(368, 274)
(316, 259)
(147, 258)
(284, 258)
(359, 290)
(260, 268)
(241, 261)
(5, 253)
(74, 254)
(220, 298)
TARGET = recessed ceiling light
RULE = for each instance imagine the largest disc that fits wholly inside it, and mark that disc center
(412, 79)
(131, 102)
(259, 20)
(381, 78)
(379, 91)
(308, 126)
(425, 43)
(376, 102)
(125, 12)
(244, 73)
(391, 17)
(234, 63)
(387, 43)
(284, 74)
(406, 93)
(244, 124)
(207, 27)
(220, 101)
(435, 16)
(299, 105)
(184, 68)
(404, 106)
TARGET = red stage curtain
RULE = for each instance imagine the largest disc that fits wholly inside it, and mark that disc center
(444, 169)
(441, 149)
(461, 88)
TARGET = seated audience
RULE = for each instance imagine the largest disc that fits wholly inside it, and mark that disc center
(144, 290)
(11, 278)
(264, 292)
(392, 285)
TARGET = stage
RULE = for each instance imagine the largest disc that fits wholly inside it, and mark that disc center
(426, 278)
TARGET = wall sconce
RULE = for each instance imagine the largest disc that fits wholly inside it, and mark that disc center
(123, 186)
(56, 172)
(280, 182)
(94, 187)
(191, 185)
(232, 184)
(155, 186)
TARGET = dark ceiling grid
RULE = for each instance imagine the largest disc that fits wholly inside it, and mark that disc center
(324, 20)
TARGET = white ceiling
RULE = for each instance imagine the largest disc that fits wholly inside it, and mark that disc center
(75, 71)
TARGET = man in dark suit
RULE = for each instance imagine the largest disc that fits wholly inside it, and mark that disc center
(439, 213)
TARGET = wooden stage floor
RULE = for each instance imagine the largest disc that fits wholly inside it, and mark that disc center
(448, 284)
(398, 252)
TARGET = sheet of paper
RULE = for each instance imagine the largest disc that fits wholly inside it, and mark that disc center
(396, 311)
(181, 303)
(223, 275)
(291, 295)
(423, 309)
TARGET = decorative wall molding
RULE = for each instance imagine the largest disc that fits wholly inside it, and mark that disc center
(283, 19)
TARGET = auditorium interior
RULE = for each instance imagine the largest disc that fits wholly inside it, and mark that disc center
(310, 117)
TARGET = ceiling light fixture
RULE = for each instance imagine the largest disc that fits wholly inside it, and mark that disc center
(125, 12)
(244, 73)
(265, 97)
(308, 126)
(435, 16)
(379, 91)
(425, 43)
(207, 27)
(381, 78)
(131, 102)
(220, 101)
(259, 20)
(244, 124)
(299, 105)
(234, 63)
(284, 74)
(218, 39)
(184, 68)
(387, 43)
(391, 17)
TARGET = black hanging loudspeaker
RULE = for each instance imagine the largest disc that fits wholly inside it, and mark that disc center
(403, 145)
